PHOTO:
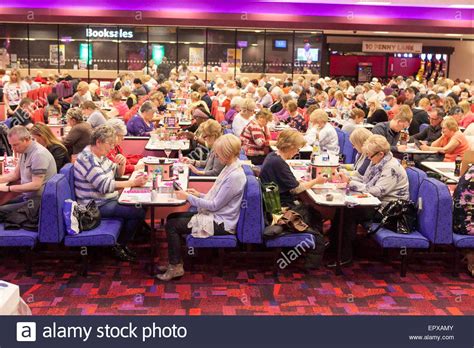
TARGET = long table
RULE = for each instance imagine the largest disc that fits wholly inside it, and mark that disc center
(445, 169)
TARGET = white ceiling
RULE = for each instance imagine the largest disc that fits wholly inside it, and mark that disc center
(417, 3)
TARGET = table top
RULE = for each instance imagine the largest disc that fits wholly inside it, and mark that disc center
(155, 144)
(163, 197)
(412, 149)
(445, 169)
(318, 192)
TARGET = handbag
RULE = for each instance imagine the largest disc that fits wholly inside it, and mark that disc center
(271, 198)
(398, 216)
(81, 218)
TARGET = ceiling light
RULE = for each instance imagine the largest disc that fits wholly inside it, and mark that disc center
(258, 31)
(381, 32)
(461, 6)
(453, 35)
(373, 3)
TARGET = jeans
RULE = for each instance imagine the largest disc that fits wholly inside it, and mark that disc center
(133, 216)
(177, 226)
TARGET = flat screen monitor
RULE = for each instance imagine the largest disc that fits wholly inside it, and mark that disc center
(242, 44)
(280, 44)
(303, 55)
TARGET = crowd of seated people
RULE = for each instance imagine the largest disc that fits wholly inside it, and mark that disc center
(374, 116)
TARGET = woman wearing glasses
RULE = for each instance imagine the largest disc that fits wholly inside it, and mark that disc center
(385, 178)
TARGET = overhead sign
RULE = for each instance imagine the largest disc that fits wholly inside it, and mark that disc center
(107, 33)
(392, 47)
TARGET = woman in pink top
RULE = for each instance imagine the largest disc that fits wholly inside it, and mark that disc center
(283, 115)
(452, 142)
(120, 108)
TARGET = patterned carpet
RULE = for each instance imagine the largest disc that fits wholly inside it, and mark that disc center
(248, 287)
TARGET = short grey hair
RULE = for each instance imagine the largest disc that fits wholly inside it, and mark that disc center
(20, 131)
(236, 101)
(118, 125)
(102, 134)
(75, 114)
(147, 106)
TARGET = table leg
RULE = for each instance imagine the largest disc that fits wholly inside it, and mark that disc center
(152, 241)
(338, 269)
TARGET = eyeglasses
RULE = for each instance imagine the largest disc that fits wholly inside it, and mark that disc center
(372, 156)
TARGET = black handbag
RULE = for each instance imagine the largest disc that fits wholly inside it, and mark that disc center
(398, 216)
(87, 216)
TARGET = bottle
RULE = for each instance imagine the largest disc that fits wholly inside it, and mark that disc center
(325, 156)
(457, 166)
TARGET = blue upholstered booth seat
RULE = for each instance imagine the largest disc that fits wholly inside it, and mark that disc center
(291, 240)
(389, 239)
(228, 241)
(463, 241)
(104, 235)
(17, 238)
(415, 178)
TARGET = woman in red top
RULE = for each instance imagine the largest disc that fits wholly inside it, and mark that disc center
(116, 152)
(256, 137)
(452, 142)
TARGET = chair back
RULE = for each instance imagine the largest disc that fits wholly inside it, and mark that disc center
(68, 172)
(415, 178)
(51, 227)
(435, 217)
(348, 150)
(250, 225)
(340, 137)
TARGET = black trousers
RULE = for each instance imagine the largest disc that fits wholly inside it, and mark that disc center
(257, 160)
(177, 226)
(352, 217)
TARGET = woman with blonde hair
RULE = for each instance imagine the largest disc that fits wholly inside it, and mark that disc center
(376, 112)
(321, 132)
(209, 131)
(82, 94)
(217, 211)
(452, 142)
(44, 136)
(358, 138)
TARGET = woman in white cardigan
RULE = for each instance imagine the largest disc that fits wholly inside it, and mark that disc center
(322, 132)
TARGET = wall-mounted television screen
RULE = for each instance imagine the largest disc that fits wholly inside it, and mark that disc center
(303, 55)
(280, 44)
(242, 44)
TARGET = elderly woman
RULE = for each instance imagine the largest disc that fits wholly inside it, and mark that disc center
(247, 110)
(117, 152)
(235, 105)
(276, 93)
(218, 210)
(256, 137)
(119, 107)
(452, 142)
(210, 131)
(44, 136)
(322, 132)
(296, 120)
(130, 98)
(158, 99)
(385, 178)
(358, 138)
(79, 135)
(93, 114)
(95, 179)
(82, 94)
(275, 169)
(264, 99)
(283, 114)
(141, 125)
(356, 118)
(376, 112)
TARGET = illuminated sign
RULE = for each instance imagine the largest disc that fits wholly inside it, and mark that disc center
(106, 33)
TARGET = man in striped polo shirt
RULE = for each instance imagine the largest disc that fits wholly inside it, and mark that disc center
(94, 179)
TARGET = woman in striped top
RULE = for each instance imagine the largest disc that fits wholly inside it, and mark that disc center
(94, 179)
